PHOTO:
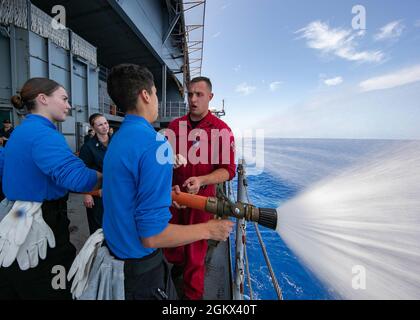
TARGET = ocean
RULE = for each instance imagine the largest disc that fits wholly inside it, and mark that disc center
(291, 166)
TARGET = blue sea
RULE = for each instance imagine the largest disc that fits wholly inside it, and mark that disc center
(290, 167)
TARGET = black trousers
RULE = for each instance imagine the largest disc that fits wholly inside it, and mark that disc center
(95, 215)
(37, 283)
(148, 278)
(1, 192)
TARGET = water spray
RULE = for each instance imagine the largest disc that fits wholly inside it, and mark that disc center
(359, 231)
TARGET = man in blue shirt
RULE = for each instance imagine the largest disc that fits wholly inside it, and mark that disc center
(137, 191)
(1, 161)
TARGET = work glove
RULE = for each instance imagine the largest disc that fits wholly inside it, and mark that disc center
(92, 287)
(81, 266)
(106, 278)
(14, 229)
(39, 237)
(5, 207)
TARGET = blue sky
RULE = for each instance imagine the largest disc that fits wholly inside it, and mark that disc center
(298, 69)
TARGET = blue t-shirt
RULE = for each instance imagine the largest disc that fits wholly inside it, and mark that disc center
(39, 165)
(1, 162)
(136, 188)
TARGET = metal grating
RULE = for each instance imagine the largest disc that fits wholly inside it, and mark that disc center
(41, 23)
(14, 12)
(84, 49)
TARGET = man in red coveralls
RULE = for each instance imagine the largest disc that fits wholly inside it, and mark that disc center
(207, 143)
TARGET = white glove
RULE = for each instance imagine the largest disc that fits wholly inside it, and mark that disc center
(40, 235)
(82, 264)
(5, 207)
(14, 229)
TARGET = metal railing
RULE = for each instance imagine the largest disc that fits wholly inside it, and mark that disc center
(241, 254)
(172, 109)
(106, 105)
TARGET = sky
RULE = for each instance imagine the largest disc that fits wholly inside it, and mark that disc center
(316, 69)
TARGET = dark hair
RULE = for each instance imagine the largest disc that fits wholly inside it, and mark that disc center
(205, 79)
(31, 89)
(125, 82)
(93, 117)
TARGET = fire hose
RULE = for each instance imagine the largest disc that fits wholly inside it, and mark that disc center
(266, 217)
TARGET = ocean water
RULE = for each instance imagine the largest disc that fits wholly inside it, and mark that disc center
(292, 166)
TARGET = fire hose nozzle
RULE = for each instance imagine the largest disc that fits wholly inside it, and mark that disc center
(265, 217)
(268, 218)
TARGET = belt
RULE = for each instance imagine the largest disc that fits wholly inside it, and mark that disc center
(55, 204)
(142, 265)
(137, 267)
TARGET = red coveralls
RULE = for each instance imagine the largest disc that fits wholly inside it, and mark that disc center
(192, 257)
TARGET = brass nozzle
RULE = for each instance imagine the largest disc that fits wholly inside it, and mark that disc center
(263, 216)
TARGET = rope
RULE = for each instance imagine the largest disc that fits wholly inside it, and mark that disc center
(248, 275)
(270, 268)
(264, 250)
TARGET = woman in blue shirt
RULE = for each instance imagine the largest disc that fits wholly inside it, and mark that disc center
(40, 167)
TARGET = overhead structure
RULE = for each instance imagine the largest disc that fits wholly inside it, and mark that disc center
(194, 13)
(150, 33)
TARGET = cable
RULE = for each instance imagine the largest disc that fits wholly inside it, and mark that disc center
(264, 250)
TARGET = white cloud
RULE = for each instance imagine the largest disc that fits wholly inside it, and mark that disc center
(225, 6)
(417, 24)
(361, 33)
(342, 113)
(274, 86)
(392, 80)
(245, 89)
(216, 35)
(237, 68)
(392, 30)
(333, 81)
(339, 42)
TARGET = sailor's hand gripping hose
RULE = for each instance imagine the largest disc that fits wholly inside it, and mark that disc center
(263, 216)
